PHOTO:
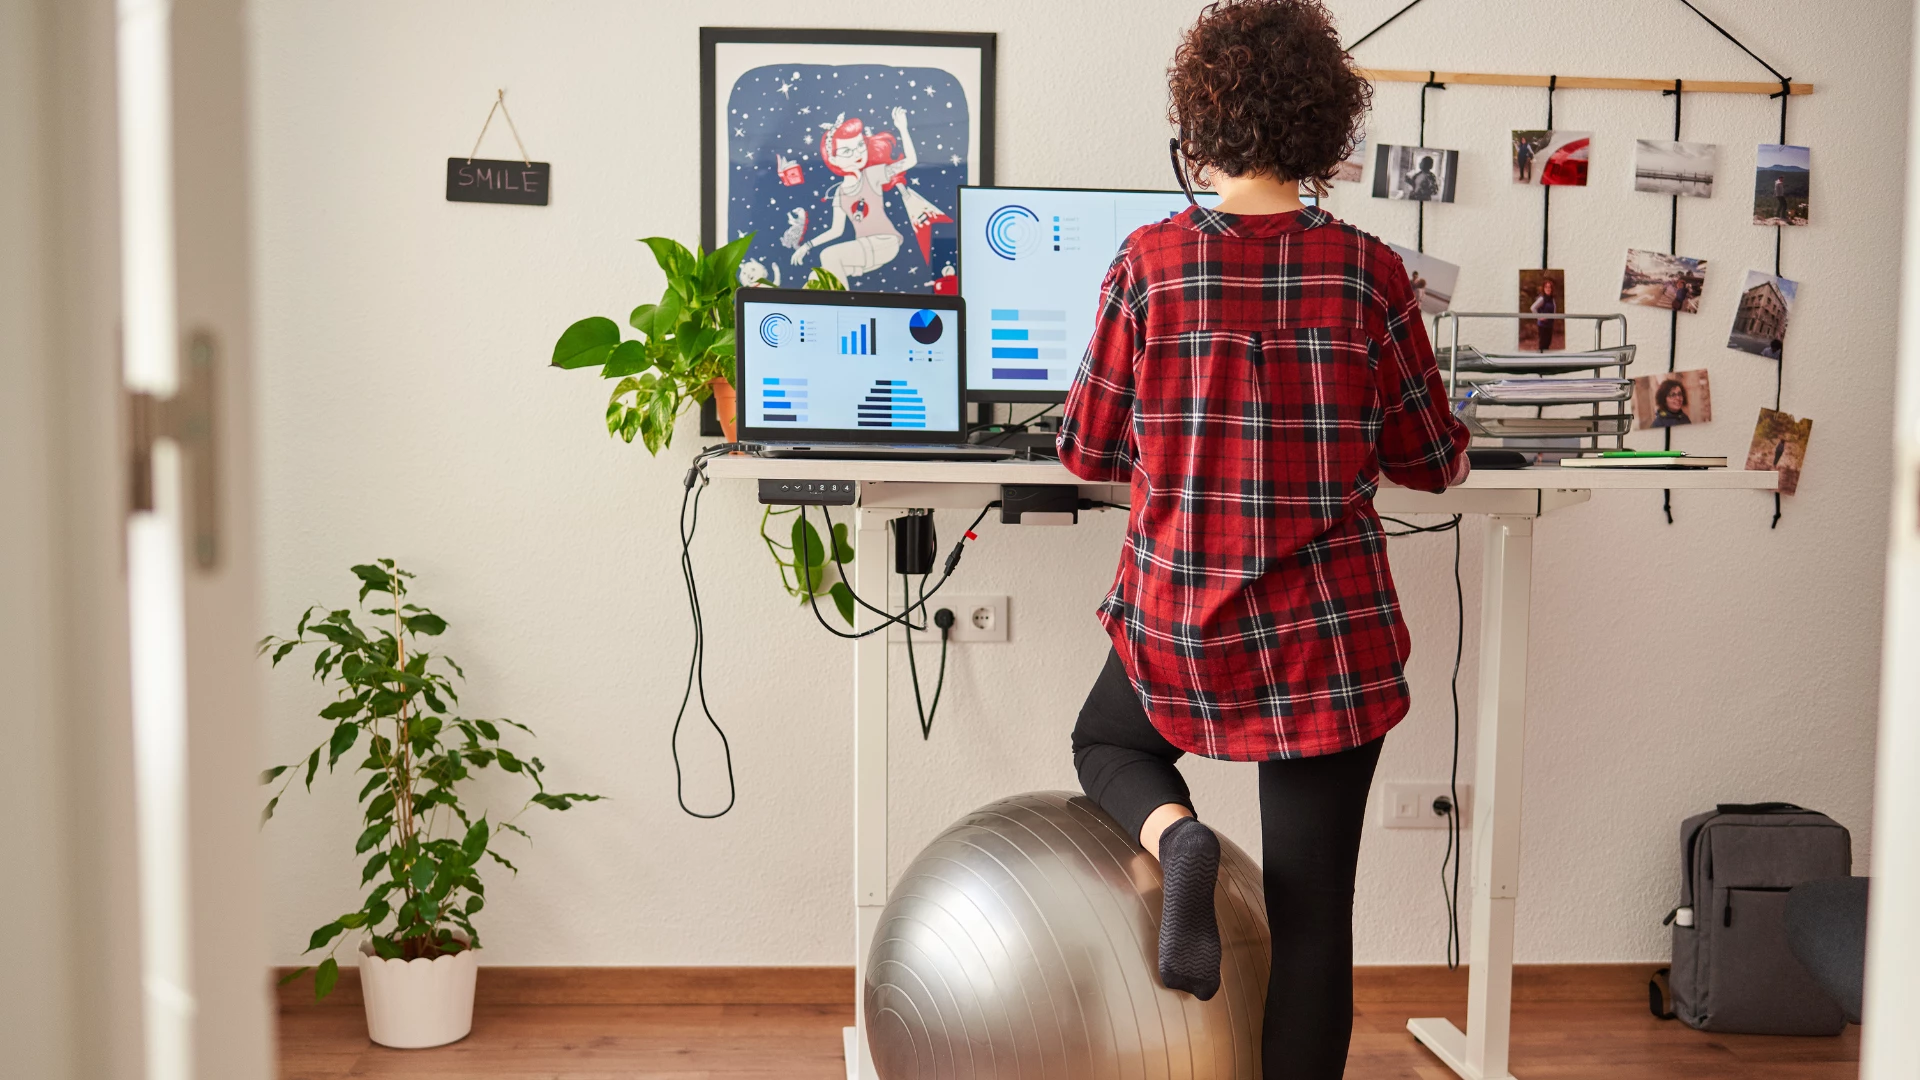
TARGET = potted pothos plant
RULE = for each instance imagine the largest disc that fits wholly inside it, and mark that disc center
(683, 353)
(424, 846)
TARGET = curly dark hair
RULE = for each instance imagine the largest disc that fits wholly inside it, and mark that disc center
(1264, 86)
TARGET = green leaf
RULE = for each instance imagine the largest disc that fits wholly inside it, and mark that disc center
(354, 920)
(824, 279)
(487, 729)
(313, 766)
(374, 866)
(385, 950)
(325, 934)
(641, 318)
(425, 623)
(668, 314)
(508, 761)
(373, 579)
(721, 269)
(476, 841)
(270, 775)
(342, 741)
(586, 343)
(382, 804)
(474, 904)
(371, 836)
(630, 358)
(292, 975)
(673, 257)
(842, 600)
(280, 653)
(423, 871)
(267, 814)
(373, 783)
(807, 547)
(842, 547)
(324, 977)
(342, 709)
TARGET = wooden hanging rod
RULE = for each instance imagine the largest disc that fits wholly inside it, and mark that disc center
(1581, 82)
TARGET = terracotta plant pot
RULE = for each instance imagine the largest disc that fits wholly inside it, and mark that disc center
(724, 405)
(416, 1003)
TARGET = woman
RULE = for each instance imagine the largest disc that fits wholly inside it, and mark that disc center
(1255, 368)
(1670, 404)
(860, 198)
(1544, 304)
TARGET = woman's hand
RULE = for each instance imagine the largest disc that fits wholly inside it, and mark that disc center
(800, 251)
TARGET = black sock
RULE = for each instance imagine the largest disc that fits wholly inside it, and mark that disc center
(1189, 936)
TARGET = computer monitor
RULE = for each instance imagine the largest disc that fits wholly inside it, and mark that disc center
(849, 367)
(1031, 263)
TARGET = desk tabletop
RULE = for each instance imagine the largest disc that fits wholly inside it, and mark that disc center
(1543, 478)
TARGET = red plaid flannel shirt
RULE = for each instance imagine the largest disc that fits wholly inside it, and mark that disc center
(1253, 377)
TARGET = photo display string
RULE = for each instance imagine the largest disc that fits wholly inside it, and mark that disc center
(1673, 313)
(1780, 361)
(1420, 207)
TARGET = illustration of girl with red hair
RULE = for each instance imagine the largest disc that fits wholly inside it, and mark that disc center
(869, 169)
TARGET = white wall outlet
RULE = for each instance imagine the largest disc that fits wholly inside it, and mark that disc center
(975, 618)
(1410, 806)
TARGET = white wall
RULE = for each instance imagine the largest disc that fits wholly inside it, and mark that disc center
(408, 412)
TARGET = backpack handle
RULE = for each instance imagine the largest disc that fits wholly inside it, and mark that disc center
(1759, 808)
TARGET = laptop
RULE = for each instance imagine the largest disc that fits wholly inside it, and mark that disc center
(853, 375)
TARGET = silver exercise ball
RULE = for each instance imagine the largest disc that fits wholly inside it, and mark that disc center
(1022, 943)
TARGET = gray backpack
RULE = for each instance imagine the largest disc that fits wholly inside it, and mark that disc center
(1732, 969)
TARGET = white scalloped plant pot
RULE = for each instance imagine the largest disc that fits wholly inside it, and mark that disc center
(418, 1003)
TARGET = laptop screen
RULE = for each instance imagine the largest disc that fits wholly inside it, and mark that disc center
(864, 368)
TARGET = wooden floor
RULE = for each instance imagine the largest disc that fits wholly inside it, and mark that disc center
(1555, 1040)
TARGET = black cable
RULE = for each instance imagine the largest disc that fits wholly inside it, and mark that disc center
(946, 632)
(692, 488)
(904, 618)
(1779, 362)
(1363, 37)
(1449, 894)
(1455, 842)
(953, 560)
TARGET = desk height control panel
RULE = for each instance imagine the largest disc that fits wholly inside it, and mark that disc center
(809, 492)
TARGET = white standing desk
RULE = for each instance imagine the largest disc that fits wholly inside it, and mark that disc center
(1509, 500)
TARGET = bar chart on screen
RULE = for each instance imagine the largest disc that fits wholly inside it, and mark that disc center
(859, 337)
(891, 403)
(1025, 343)
(783, 401)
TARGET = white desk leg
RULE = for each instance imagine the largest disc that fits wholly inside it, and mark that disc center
(1480, 1053)
(870, 564)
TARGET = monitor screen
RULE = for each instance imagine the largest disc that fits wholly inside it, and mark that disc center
(1031, 263)
(870, 366)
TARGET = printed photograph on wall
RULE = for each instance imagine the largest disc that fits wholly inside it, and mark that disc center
(1350, 167)
(1673, 399)
(844, 150)
(1780, 184)
(1433, 279)
(1760, 318)
(1674, 168)
(1543, 292)
(1420, 173)
(1657, 279)
(1552, 158)
(1780, 443)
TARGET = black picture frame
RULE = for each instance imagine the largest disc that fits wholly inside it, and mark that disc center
(712, 37)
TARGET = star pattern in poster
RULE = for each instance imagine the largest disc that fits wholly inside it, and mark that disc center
(855, 167)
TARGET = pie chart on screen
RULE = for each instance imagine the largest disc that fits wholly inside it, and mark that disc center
(925, 326)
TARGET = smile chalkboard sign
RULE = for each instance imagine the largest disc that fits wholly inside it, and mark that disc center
(523, 183)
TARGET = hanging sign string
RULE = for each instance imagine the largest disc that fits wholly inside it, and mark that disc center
(1546, 189)
(500, 103)
(1420, 207)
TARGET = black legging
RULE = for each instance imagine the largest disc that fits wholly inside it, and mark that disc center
(1311, 812)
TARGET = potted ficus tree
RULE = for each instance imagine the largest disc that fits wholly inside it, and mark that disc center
(683, 354)
(424, 846)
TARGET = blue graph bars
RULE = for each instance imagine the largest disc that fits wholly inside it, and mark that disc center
(783, 401)
(891, 403)
(1015, 334)
(862, 340)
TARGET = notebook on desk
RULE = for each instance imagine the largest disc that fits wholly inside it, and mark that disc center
(853, 375)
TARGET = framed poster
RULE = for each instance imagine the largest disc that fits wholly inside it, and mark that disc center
(843, 149)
